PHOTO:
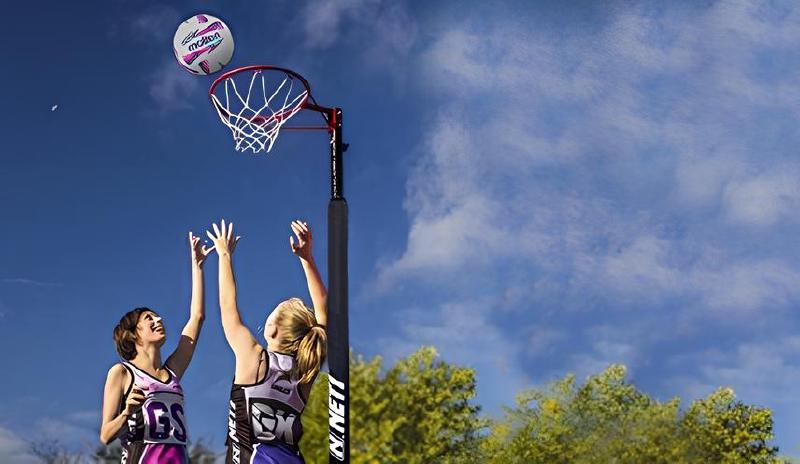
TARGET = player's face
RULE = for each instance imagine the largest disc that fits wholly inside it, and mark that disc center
(150, 328)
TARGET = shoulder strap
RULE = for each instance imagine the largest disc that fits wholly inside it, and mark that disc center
(262, 359)
(134, 371)
(128, 389)
(172, 375)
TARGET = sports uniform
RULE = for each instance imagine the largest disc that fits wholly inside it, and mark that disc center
(156, 433)
(264, 419)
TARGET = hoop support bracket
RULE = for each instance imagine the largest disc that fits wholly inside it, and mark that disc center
(337, 149)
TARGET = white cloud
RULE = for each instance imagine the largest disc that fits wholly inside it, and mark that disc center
(761, 372)
(384, 29)
(700, 178)
(31, 282)
(750, 286)
(543, 340)
(633, 170)
(73, 436)
(763, 199)
(465, 333)
(14, 449)
(596, 188)
(172, 88)
(89, 418)
(603, 354)
(67, 432)
(155, 24)
(643, 267)
(322, 19)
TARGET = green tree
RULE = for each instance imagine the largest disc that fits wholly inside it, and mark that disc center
(53, 451)
(200, 453)
(108, 454)
(418, 411)
(724, 430)
(608, 420)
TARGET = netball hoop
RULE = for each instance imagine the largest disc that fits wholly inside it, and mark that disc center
(255, 103)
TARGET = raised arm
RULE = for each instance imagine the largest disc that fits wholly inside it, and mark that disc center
(316, 288)
(241, 341)
(180, 358)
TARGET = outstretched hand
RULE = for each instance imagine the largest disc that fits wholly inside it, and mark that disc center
(223, 238)
(303, 246)
(199, 251)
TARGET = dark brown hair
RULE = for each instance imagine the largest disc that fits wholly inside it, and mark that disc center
(125, 333)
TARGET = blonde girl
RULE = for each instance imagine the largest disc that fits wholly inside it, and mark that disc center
(271, 385)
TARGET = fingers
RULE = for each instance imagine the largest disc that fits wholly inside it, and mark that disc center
(291, 244)
(297, 231)
(136, 397)
(194, 241)
(302, 227)
(134, 401)
(221, 237)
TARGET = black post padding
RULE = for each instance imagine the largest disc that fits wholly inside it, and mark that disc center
(338, 334)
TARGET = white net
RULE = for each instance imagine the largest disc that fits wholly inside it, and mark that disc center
(255, 119)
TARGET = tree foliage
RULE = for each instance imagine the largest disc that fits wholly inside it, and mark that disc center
(721, 429)
(53, 451)
(608, 420)
(422, 410)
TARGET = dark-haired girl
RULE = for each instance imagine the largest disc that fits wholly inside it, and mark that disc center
(143, 398)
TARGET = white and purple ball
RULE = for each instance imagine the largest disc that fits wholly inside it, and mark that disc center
(203, 44)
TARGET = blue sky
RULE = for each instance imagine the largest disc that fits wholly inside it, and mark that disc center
(535, 188)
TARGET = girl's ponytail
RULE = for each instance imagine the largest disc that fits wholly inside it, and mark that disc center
(311, 353)
(302, 337)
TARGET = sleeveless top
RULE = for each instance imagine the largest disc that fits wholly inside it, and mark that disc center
(266, 413)
(157, 432)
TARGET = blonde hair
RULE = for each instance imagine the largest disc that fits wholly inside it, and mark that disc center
(302, 337)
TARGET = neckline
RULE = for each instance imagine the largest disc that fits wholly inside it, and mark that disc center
(282, 353)
(163, 382)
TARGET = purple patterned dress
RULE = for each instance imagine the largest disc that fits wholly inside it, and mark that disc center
(264, 420)
(156, 434)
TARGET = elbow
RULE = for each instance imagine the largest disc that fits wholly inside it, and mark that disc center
(107, 435)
